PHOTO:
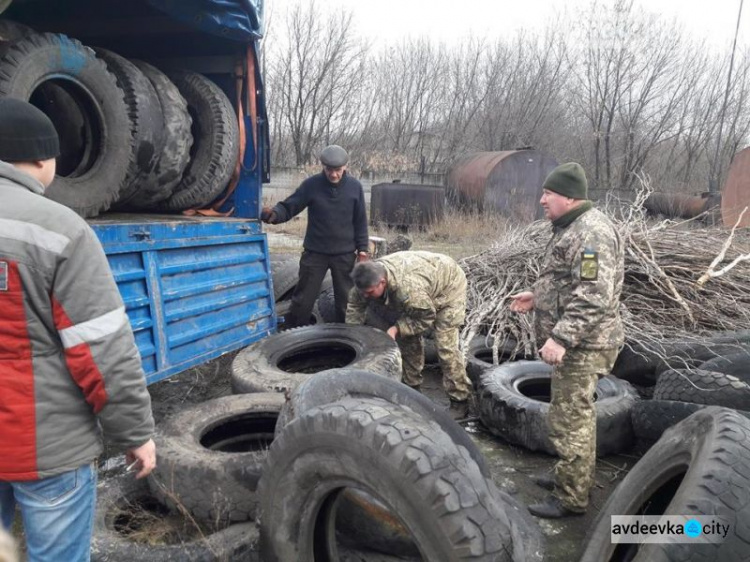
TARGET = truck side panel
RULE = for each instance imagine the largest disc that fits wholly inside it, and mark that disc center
(193, 289)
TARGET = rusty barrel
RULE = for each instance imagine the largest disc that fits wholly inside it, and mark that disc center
(508, 182)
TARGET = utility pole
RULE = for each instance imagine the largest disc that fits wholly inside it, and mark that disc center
(713, 182)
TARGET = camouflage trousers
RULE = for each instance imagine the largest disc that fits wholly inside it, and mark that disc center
(572, 422)
(445, 331)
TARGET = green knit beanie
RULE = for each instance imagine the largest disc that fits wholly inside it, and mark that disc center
(568, 180)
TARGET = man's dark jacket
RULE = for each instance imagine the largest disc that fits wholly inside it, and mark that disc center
(336, 214)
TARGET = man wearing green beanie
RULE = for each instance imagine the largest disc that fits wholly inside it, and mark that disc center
(576, 301)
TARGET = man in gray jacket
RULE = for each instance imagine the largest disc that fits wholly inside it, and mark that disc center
(68, 360)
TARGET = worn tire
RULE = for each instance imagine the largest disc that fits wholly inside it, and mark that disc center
(651, 418)
(97, 180)
(701, 466)
(108, 545)
(636, 365)
(735, 364)
(703, 387)
(216, 143)
(522, 420)
(209, 457)
(146, 127)
(178, 138)
(337, 384)
(436, 490)
(283, 308)
(302, 352)
(479, 356)
(285, 274)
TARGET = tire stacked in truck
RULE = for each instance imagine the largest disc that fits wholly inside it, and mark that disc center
(131, 138)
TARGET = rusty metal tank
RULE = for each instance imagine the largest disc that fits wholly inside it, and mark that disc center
(406, 204)
(509, 182)
(735, 194)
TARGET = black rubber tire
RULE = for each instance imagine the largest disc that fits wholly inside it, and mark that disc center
(703, 387)
(636, 365)
(282, 312)
(698, 467)
(209, 456)
(236, 542)
(735, 364)
(260, 367)
(96, 183)
(436, 490)
(216, 143)
(651, 418)
(178, 138)
(285, 274)
(10, 32)
(146, 127)
(479, 356)
(337, 384)
(508, 413)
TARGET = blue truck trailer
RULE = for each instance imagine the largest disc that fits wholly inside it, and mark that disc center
(195, 287)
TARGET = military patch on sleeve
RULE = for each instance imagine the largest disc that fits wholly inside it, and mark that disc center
(589, 265)
(3, 276)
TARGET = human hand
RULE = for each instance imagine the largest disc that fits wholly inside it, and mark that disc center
(522, 302)
(362, 256)
(552, 352)
(393, 332)
(268, 215)
(143, 457)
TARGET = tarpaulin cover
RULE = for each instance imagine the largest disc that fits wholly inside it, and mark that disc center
(240, 20)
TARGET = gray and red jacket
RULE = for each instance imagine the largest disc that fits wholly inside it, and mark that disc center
(67, 354)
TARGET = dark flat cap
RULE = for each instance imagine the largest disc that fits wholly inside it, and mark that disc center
(334, 156)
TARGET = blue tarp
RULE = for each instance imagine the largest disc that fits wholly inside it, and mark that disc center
(240, 20)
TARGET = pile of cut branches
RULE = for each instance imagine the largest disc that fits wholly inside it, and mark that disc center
(682, 281)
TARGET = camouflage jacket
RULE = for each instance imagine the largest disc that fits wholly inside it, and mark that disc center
(577, 295)
(420, 284)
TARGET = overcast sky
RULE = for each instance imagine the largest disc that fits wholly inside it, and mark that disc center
(388, 21)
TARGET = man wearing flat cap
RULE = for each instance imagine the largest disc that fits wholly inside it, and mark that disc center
(69, 367)
(336, 233)
(576, 301)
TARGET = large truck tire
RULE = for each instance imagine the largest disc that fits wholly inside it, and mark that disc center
(282, 361)
(651, 418)
(95, 182)
(209, 456)
(735, 364)
(337, 384)
(116, 499)
(146, 126)
(703, 387)
(513, 401)
(216, 143)
(411, 466)
(178, 139)
(285, 274)
(697, 468)
(479, 356)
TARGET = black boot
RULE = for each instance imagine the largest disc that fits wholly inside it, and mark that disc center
(551, 508)
(459, 410)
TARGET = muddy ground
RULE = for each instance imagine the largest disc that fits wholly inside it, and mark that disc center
(512, 467)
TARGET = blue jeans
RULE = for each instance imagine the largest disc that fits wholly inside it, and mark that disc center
(57, 514)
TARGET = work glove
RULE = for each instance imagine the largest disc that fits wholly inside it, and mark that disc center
(268, 215)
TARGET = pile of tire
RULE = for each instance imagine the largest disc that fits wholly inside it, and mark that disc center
(131, 137)
(697, 374)
(362, 461)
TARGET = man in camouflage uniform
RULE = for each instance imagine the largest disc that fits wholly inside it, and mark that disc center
(424, 290)
(577, 305)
